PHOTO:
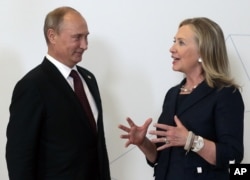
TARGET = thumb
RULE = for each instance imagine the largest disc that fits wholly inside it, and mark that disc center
(147, 122)
(177, 121)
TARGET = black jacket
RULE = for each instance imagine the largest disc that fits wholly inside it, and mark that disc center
(48, 135)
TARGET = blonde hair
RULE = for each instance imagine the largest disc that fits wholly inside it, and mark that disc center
(213, 52)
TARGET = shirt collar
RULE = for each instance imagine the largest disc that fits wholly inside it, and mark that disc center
(65, 70)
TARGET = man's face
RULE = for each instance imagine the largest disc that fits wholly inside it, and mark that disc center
(71, 41)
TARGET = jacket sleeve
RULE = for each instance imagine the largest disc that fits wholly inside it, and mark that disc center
(22, 131)
(229, 127)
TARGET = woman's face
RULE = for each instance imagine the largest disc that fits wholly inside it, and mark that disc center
(185, 51)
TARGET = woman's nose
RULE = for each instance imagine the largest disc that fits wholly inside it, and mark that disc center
(172, 49)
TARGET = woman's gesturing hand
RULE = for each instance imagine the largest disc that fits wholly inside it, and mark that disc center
(135, 134)
(170, 135)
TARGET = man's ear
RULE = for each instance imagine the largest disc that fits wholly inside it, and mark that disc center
(51, 34)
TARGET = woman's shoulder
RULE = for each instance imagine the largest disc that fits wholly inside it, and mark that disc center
(229, 94)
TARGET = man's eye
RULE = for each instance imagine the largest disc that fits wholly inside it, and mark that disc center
(77, 37)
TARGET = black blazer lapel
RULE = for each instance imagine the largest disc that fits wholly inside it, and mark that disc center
(67, 92)
(92, 85)
(57, 78)
(171, 109)
(59, 82)
(198, 93)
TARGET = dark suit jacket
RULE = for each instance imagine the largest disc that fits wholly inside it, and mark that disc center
(48, 135)
(214, 114)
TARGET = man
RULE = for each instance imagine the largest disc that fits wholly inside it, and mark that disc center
(49, 135)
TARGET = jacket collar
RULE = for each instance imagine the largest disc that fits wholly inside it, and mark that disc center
(201, 91)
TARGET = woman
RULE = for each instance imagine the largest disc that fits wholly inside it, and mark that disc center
(200, 130)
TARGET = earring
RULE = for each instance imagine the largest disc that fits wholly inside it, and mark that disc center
(199, 60)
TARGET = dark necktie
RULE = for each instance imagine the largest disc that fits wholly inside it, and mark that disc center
(79, 90)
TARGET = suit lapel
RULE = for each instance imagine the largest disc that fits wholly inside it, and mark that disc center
(90, 80)
(57, 79)
(93, 88)
(171, 108)
(55, 75)
(62, 87)
(199, 93)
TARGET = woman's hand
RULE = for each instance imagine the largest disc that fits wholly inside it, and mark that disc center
(135, 134)
(170, 135)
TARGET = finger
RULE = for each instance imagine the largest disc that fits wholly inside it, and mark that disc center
(157, 133)
(163, 147)
(124, 136)
(130, 122)
(148, 122)
(162, 126)
(160, 140)
(177, 121)
(127, 143)
(124, 128)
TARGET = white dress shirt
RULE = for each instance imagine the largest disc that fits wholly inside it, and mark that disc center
(65, 71)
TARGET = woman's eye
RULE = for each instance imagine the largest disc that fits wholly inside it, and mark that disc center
(181, 43)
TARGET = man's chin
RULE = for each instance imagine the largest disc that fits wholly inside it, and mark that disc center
(78, 59)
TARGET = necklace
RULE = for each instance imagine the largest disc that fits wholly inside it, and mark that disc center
(183, 89)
